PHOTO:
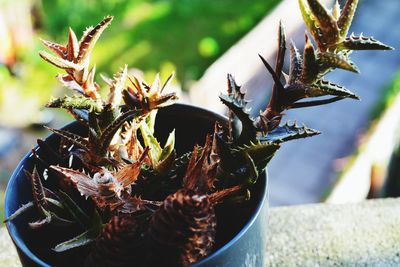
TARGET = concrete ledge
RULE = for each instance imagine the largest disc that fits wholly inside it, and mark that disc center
(8, 254)
(365, 234)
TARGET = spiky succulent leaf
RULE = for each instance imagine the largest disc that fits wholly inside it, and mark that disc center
(128, 174)
(75, 102)
(151, 142)
(322, 88)
(162, 101)
(271, 71)
(346, 17)
(94, 127)
(112, 128)
(89, 86)
(73, 208)
(360, 42)
(336, 10)
(200, 173)
(310, 67)
(311, 24)
(296, 63)
(72, 46)
(325, 20)
(227, 158)
(24, 208)
(167, 155)
(167, 82)
(242, 113)
(116, 87)
(179, 163)
(151, 120)
(235, 101)
(83, 239)
(314, 103)
(280, 59)
(90, 38)
(85, 184)
(260, 152)
(59, 49)
(37, 189)
(228, 195)
(334, 60)
(299, 91)
(252, 169)
(288, 132)
(59, 62)
(68, 81)
(75, 139)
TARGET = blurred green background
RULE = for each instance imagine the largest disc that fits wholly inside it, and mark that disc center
(184, 36)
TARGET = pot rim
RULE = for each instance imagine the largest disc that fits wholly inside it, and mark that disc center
(21, 246)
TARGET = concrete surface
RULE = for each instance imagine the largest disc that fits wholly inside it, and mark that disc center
(352, 235)
(364, 234)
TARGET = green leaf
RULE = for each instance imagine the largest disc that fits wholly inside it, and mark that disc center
(325, 20)
(169, 146)
(280, 59)
(59, 62)
(340, 61)
(248, 130)
(37, 189)
(181, 162)
(252, 169)
(320, 88)
(167, 156)
(72, 45)
(75, 102)
(336, 10)
(227, 158)
(94, 226)
(311, 23)
(235, 101)
(81, 240)
(77, 140)
(346, 17)
(323, 88)
(296, 63)
(90, 38)
(112, 128)
(310, 65)
(363, 43)
(59, 49)
(151, 120)
(55, 205)
(117, 83)
(77, 213)
(24, 208)
(261, 152)
(151, 142)
(281, 49)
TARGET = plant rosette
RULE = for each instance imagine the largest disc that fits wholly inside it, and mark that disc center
(139, 180)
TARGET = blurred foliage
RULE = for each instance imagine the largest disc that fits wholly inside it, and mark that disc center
(389, 95)
(187, 34)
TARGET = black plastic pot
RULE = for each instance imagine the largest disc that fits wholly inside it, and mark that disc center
(241, 233)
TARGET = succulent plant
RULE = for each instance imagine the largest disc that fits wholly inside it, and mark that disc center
(140, 197)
